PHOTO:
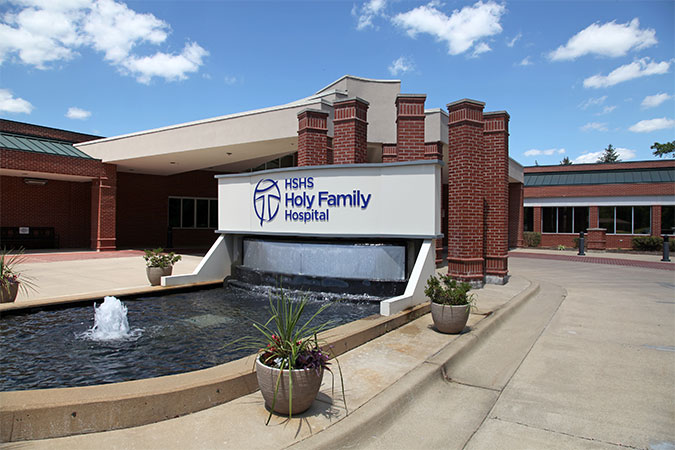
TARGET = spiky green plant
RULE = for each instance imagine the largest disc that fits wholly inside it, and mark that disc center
(10, 260)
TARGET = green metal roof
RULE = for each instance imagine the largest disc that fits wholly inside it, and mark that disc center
(40, 145)
(626, 176)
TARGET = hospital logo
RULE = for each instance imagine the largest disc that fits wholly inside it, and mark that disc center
(266, 199)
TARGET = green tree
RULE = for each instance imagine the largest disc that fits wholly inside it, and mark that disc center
(662, 150)
(609, 156)
(566, 161)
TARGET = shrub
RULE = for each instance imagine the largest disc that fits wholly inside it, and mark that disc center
(532, 238)
(647, 243)
(448, 293)
(155, 258)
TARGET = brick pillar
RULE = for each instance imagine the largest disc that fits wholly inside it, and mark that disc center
(312, 137)
(496, 179)
(593, 217)
(465, 191)
(516, 215)
(350, 129)
(433, 150)
(656, 220)
(103, 209)
(389, 153)
(536, 218)
(410, 126)
(597, 239)
(329, 150)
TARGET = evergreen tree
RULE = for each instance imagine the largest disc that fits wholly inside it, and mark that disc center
(609, 156)
(662, 150)
(566, 162)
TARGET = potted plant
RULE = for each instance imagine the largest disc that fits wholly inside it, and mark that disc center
(159, 264)
(290, 363)
(450, 303)
(11, 279)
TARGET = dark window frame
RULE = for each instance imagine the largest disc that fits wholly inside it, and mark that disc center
(211, 215)
(572, 219)
(632, 220)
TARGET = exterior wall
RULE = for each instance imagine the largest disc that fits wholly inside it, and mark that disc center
(350, 131)
(9, 126)
(103, 208)
(516, 215)
(63, 205)
(142, 209)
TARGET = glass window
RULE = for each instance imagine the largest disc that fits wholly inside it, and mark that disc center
(581, 218)
(667, 219)
(528, 219)
(606, 218)
(624, 219)
(213, 213)
(174, 212)
(642, 220)
(565, 219)
(202, 213)
(188, 213)
(549, 219)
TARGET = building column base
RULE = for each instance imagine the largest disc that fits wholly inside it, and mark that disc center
(497, 266)
(469, 270)
(104, 244)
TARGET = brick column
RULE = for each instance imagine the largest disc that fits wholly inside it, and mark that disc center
(433, 150)
(410, 126)
(103, 209)
(465, 191)
(597, 239)
(516, 215)
(312, 137)
(389, 153)
(656, 220)
(594, 217)
(496, 179)
(536, 218)
(350, 129)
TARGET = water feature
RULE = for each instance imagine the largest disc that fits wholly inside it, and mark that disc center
(110, 322)
(167, 335)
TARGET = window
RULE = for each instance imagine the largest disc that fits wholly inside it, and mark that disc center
(528, 219)
(667, 219)
(626, 219)
(284, 161)
(185, 212)
(564, 219)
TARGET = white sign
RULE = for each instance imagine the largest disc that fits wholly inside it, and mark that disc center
(24, 230)
(358, 200)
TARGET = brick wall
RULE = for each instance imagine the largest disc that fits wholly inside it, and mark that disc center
(600, 190)
(516, 215)
(9, 126)
(142, 208)
(63, 205)
(350, 129)
(41, 162)
(585, 167)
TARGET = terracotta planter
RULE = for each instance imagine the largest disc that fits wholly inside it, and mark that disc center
(449, 318)
(9, 295)
(306, 384)
(155, 274)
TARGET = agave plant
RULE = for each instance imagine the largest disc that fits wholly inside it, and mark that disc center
(9, 271)
(286, 343)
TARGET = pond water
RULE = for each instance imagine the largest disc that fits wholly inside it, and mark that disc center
(168, 335)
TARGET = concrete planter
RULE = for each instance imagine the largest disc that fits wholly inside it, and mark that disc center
(155, 274)
(9, 295)
(306, 384)
(449, 318)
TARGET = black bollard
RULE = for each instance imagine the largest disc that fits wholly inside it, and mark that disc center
(581, 244)
(666, 249)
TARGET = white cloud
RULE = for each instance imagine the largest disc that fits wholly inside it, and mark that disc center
(652, 101)
(637, 69)
(42, 33)
(548, 152)
(526, 62)
(481, 47)
(593, 101)
(513, 41)
(595, 126)
(230, 80)
(77, 113)
(461, 31)
(368, 12)
(610, 39)
(400, 66)
(11, 104)
(606, 110)
(647, 126)
(625, 154)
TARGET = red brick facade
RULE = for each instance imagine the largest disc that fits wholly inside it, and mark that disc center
(350, 130)
(410, 127)
(9, 126)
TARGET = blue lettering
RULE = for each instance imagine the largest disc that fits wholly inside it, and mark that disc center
(288, 183)
(365, 200)
(310, 182)
(289, 199)
(323, 196)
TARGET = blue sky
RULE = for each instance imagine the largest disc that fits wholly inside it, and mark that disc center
(574, 76)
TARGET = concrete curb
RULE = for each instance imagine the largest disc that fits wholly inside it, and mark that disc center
(382, 409)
